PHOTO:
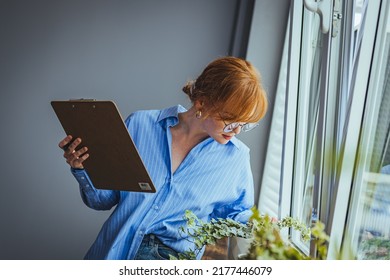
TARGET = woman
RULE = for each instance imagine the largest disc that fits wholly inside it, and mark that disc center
(193, 158)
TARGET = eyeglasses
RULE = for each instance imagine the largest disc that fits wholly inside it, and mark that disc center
(244, 127)
(232, 126)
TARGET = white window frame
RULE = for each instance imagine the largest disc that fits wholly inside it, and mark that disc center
(351, 134)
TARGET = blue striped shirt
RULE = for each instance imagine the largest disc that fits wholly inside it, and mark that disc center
(214, 180)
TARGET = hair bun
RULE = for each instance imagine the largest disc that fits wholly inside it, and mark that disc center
(189, 88)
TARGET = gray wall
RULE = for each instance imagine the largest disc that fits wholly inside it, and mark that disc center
(265, 48)
(137, 53)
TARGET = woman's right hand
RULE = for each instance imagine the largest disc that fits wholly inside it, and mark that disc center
(74, 158)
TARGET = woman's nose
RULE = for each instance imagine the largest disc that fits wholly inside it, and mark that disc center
(237, 130)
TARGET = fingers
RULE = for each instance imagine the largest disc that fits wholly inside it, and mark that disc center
(64, 143)
(70, 147)
(74, 158)
(75, 155)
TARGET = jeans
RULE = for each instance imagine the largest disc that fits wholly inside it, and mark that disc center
(152, 248)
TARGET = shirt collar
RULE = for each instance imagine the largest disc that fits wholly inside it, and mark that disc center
(171, 116)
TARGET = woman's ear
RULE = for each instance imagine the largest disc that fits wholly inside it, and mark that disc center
(199, 104)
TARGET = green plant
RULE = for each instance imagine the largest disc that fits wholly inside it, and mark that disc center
(202, 233)
(262, 230)
(268, 242)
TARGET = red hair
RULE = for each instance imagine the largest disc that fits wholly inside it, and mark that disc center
(230, 86)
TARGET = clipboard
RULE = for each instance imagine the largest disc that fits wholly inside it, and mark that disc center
(114, 162)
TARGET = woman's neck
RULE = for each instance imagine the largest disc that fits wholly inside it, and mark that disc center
(189, 127)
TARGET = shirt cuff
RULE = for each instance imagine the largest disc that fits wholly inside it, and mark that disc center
(82, 178)
(244, 216)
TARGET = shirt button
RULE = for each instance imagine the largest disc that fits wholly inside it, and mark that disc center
(141, 232)
(155, 207)
(82, 178)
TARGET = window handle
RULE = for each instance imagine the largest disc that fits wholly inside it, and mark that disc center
(324, 9)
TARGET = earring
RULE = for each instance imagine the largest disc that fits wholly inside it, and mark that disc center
(198, 114)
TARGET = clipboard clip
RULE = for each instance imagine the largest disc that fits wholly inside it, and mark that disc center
(83, 99)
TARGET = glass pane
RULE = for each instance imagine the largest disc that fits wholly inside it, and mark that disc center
(374, 236)
(308, 106)
(351, 56)
(369, 218)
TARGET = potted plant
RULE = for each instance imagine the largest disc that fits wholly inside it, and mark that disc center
(262, 232)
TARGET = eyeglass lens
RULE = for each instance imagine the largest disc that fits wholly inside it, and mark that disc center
(245, 127)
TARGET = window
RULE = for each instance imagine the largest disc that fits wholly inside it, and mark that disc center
(367, 232)
(335, 155)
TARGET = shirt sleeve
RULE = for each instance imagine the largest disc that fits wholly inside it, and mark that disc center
(94, 198)
(241, 209)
